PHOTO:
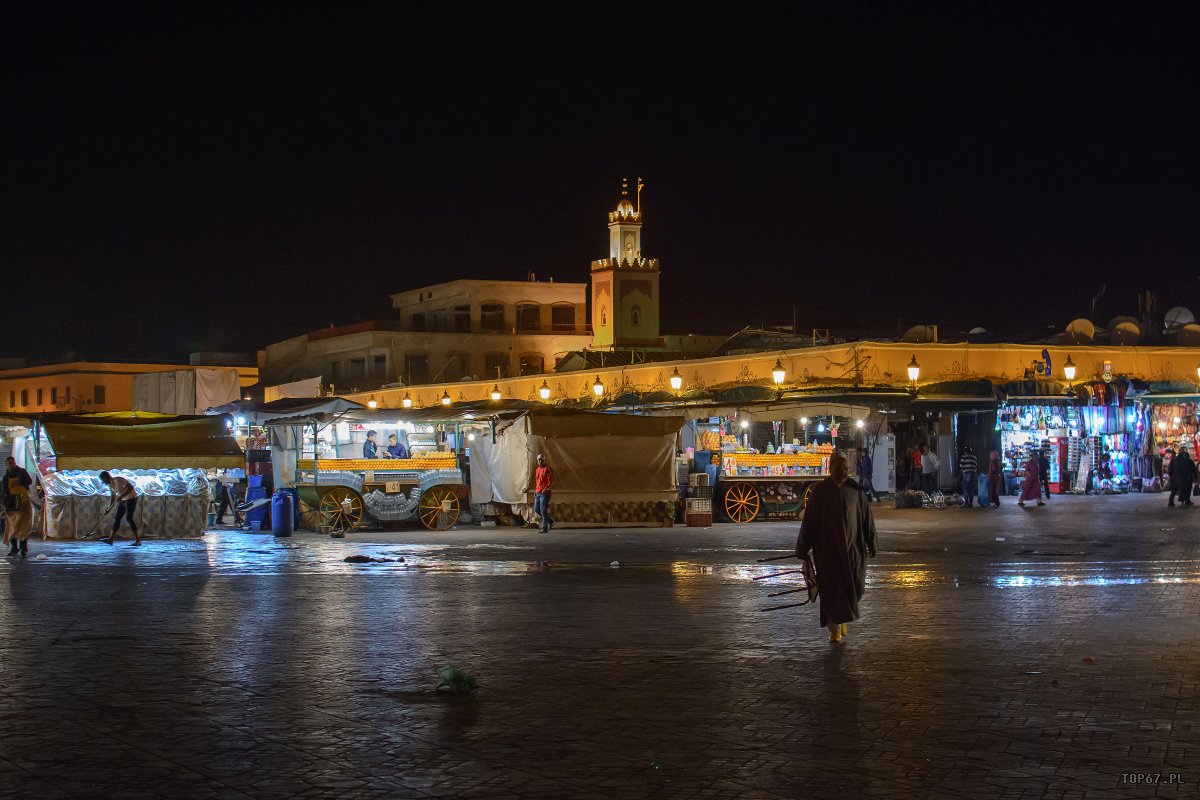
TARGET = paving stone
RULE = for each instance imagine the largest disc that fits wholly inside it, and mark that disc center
(239, 666)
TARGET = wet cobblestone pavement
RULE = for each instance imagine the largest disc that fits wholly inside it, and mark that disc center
(1050, 664)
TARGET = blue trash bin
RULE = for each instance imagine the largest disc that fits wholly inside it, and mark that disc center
(281, 513)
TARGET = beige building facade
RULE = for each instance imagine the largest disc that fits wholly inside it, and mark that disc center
(464, 329)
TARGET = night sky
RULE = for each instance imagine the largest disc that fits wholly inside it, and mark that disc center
(180, 179)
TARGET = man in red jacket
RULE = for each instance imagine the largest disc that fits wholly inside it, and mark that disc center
(543, 486)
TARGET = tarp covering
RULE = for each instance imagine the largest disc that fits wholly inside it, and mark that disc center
(309, 387)
(86, 442)
(259, 413)
(609, 460)
(215, 387)
(170, 392)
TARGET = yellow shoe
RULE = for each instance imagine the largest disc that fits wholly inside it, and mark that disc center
(835, 633)
(844, 629)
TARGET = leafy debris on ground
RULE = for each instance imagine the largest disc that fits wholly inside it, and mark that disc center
(455, 681)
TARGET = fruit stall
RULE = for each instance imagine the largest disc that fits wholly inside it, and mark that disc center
(754, 486)
(349, 493)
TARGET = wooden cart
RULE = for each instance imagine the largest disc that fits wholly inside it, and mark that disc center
(756, 486)
(347, 494)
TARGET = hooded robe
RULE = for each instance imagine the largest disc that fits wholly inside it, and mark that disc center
(839, 530)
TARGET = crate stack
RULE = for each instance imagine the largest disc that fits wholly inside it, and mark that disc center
(698, 511)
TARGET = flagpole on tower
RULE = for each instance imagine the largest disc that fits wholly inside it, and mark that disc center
(640, 184)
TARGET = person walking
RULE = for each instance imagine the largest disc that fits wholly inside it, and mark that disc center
(222, 495)
(125, 497)
(917, 478)
(968, 466)
(840, 532)
(1185, 476)
(1044, 472)
(543, 487)
(18, 512)
(864, 475)
(1172, 476)
(995, 479)
(1031, 487)
(929, 468)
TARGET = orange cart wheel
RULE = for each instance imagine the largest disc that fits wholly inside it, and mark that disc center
(742, 502)
(341, 508)
(439, 508)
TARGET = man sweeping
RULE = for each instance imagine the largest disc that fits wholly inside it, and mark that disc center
(125, 496)
(840, 532)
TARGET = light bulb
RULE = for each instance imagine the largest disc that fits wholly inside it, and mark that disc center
(914, 369)
(858, 423)
(778, 373)
(407, 401)
(496, 395)
(470, 437)
(1069, 369)
(598, 387)
(804, 421)
(820, 427)
(446, 399)
(372, 403)
(544, 391)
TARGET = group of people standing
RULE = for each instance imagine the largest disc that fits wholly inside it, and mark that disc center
(917, 470)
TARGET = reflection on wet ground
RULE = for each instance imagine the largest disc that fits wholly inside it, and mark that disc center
(256, 554)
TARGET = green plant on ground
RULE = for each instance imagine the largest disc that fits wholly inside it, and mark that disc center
(455, 681)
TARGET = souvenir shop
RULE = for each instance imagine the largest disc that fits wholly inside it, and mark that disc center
(1165, 424)
(1056, 430)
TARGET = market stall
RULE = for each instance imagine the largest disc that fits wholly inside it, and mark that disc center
(422, 478)
(610, 469)
(168, 458)
(763, 459)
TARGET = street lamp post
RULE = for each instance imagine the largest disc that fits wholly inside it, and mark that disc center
(1069, 372)
(676, 380)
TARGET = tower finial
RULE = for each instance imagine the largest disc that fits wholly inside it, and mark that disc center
(640, 185)
(624, 187)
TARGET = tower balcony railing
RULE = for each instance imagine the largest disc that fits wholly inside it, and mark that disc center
(625, 263)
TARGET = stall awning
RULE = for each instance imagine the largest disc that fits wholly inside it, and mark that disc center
(143, 443)
(979, 395)
(258, 413)
(1044, 391)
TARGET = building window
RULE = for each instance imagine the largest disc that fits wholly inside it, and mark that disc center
(53, 395)
(67, 395)
(417, 322)
(457, 367)
(24, 397)
(491, 317)
(335, 371)
(39, 396)
(416, 369)
(12, 399)
(529, 317)
(379, 366)
(603, 316)
(532, 364)
(462, 319)
(495, 365)
(635, 316)
(562, 318)
(98, 396)
(358, 369)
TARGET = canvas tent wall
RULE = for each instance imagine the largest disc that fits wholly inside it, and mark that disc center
(185, 391)
(610, 469)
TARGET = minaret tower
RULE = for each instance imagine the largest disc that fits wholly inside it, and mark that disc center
(625, 285)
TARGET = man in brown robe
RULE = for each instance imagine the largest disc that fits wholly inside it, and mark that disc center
(839, 530)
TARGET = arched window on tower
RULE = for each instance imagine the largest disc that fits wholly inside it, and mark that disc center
(603, 316)
(635, 316)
